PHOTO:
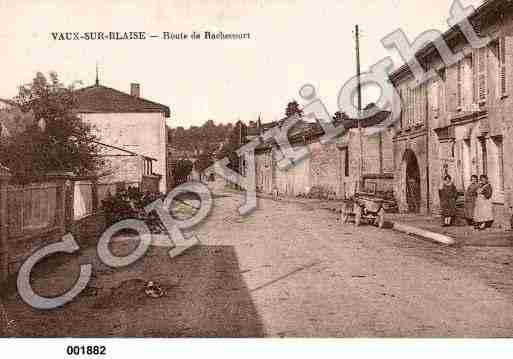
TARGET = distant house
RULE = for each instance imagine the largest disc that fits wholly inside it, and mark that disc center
(133, 128)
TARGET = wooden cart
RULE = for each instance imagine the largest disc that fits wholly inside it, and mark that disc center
(364, 208)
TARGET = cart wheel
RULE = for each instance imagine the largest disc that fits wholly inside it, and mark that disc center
(357, 215)
(380, 220)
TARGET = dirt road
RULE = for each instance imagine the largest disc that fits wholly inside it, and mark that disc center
(361, 282)
(288, 270)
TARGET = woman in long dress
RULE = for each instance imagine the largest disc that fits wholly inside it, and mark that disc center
(448, 195)
(470, 199)
(483, 213)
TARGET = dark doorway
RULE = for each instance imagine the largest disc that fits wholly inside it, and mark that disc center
(412, 182)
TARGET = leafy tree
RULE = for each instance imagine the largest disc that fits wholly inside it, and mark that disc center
(181, 171)
(293, 109)
(233, 142)
(57, 140)
(196, 139)
(204, 161)
(14, 121)
(340, 117)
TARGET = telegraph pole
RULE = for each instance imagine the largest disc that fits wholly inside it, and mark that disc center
(359, 94)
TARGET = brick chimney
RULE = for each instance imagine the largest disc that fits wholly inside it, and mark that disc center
(135, 89)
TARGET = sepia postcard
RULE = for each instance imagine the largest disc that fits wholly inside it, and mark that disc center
(254, 169)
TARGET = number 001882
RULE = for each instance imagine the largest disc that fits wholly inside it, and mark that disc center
(86, 350)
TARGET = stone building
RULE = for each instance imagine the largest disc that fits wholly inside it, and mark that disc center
(129, 123)
(459, 123)
(332, 169)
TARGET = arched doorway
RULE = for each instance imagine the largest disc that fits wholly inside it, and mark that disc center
(412, 181)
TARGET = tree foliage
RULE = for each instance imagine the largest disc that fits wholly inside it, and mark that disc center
(181, 171)
(293, 109)
(204, 161)
(233, 142)
(63, 143)
(206, 138)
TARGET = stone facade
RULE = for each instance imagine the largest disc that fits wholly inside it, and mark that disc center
(459, 123)
(330, 168)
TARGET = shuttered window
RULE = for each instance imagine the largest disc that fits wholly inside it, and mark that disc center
(401, 101)
(501, 60)
(434, 98)
(459, 84)
(441, 92)
(479, 74)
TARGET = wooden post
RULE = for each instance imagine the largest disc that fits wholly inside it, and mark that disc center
(94, 190)
(70, 201)
(64, 207)
(5, 176)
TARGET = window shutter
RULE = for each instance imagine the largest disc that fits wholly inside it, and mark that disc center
(441, 92)
(475, 78)
(410, 106)
(414, 94)
(502, 66)
(401, 103)
(459, 90)
(413, 106)
(481, 73)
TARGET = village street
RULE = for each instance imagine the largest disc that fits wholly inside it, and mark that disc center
(289, 269)
(361, 282)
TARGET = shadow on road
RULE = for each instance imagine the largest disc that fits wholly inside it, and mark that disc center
(204, 296)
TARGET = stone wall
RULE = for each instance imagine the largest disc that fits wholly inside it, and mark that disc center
(324, 169)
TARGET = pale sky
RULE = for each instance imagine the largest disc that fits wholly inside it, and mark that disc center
(292, 42)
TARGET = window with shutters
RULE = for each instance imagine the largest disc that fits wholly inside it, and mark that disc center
(479, 74)
(420, 94)
(501, 62)
(412, 102)
(401, 101)
(441, 92)
(413, 106)
(410, 106)
(434, 97)
(459, 84)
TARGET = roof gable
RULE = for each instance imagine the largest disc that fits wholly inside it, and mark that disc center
(102, 99)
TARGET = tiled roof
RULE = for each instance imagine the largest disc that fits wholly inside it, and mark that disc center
(379, 117)
(314, 130)
(98, 99)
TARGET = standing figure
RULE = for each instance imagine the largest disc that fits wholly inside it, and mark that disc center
(470, 199)
(448, 195)
(483, 213)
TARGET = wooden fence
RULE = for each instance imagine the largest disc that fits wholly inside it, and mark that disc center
(38, 214)
(31, 207)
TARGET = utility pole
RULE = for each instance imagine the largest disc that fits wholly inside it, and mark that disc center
(97, 82)
(359, 94)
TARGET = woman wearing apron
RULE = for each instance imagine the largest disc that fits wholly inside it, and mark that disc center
(483, 213)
